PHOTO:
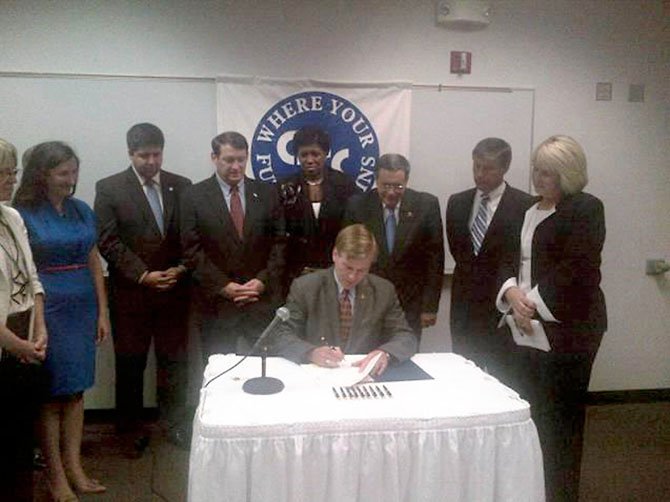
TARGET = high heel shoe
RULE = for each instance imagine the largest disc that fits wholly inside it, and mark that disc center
(67, 498)
(70, 497)
(92, 487)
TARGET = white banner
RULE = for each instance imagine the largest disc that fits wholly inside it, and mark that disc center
(364, 120)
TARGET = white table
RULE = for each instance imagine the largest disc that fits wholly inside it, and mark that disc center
(460, 437)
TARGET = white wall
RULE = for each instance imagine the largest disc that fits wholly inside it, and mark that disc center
(559, 47)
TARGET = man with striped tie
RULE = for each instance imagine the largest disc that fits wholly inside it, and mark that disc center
(483, 226)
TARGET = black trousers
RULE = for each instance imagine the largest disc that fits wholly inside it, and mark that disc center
(22, 389)
(556, 385)
(161, 317)
(230, 329)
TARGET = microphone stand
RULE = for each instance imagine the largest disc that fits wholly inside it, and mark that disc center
(263, 384)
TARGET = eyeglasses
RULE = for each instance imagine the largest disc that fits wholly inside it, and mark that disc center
(10, 172)
(393, 186)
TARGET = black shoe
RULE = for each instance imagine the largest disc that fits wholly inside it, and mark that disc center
(180, 438)
(39, 463)
(140, 443)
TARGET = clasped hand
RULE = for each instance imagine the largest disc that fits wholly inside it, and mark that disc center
(243, 294)
(162, 280)
(523, 309)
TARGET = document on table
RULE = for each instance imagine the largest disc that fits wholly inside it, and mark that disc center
(538, 340)
(345, 374)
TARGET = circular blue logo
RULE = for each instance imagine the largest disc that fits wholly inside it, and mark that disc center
(354, 147)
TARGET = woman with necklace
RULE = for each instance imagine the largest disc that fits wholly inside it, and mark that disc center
(23, 341)
(314, 201)
(62, 235)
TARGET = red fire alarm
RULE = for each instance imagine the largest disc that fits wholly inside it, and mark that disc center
(461, 62)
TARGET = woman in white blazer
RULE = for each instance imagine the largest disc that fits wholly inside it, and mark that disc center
(23, 342)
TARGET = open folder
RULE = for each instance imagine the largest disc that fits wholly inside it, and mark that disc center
(347, 375)
(538, 340)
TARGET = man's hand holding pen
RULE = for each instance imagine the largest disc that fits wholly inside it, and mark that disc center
(326, 356)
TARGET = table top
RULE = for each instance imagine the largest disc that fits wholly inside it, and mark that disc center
(459, 395)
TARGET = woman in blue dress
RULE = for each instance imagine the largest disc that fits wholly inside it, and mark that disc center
(62, 235)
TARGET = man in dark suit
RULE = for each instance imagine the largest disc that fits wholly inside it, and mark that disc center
(344, 310)
(313, 203)
(408, 224)
(233, 239)
(138, 235)
(483, 230)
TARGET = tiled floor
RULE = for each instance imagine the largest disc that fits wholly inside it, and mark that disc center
(626, 459)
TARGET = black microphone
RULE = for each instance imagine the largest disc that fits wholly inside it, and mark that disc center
(262, 384)
(265, 384)
(281, 315)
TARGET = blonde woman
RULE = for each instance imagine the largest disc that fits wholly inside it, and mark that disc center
(23, 342)
(554, 283)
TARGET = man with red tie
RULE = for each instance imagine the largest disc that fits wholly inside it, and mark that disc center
(346, 310)
(233, 238)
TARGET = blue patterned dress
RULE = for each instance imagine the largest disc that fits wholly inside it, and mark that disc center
(61, 245)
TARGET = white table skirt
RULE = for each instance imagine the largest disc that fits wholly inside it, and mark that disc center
(460, 437)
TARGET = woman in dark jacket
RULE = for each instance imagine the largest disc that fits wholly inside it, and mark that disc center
(313, 203)
(552, 287)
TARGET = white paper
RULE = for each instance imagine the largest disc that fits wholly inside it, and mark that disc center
(345, 374)
(538, 340)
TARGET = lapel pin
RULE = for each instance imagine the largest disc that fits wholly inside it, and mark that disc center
(170, 189)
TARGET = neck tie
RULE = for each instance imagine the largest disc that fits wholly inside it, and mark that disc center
(236, 212)
(479, 226)
(345, 315)
(155, 203)
(390, 230)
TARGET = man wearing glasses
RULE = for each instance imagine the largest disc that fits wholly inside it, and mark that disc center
(408, 226)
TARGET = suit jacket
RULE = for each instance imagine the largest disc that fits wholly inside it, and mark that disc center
(128, 235)
(565, 266)
(15, 223)
(416, 265)
(378, 321)
(213, 249)
(475, 283)
(310, 239)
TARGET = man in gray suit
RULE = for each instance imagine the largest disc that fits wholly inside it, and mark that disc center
(345, 310)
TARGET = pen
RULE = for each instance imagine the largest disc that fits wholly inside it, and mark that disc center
(388, 392)
(373, 391)
(366, 392)
(344, 395)
(335, 392)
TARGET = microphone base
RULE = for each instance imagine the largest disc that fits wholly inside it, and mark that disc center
(263, 385)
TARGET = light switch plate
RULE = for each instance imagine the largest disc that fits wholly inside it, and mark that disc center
(604, 91)
(636, 93)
